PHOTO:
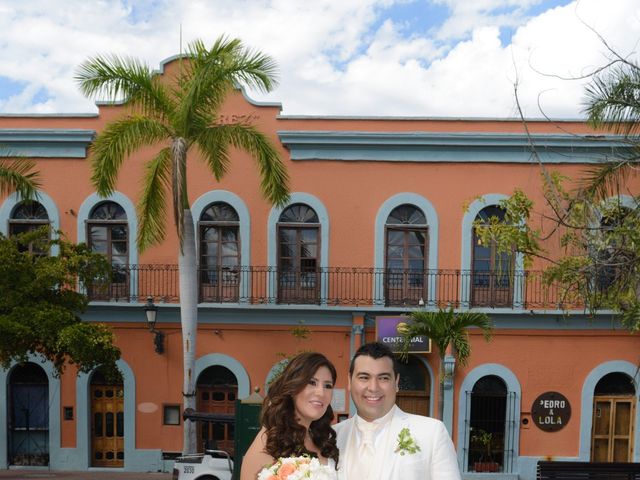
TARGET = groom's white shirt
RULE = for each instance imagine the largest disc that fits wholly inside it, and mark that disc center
(436, 459)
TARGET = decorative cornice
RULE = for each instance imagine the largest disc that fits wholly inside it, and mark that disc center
(448, 147)
(45, 143)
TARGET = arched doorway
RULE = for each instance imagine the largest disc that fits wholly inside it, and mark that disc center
(487, 425)
(28, 405)
(107, 421)
(217, 390)
(614, 412)
(415, 386)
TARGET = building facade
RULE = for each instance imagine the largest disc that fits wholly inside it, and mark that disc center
(379, 223)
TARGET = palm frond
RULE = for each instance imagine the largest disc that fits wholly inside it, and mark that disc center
(152, 206)
(245, 66)
(117, 141)
(274, 180)
(613, 103)
(446, 327)
(215, 143)
(124, 78)
(604, 180)
(613, 100)
(21, 177)
(212, 73)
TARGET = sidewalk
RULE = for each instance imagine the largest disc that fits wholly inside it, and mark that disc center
(19, 474)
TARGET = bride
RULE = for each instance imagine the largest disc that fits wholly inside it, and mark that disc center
(296, 416)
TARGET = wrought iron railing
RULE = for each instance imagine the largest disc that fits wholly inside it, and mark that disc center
(338, 286)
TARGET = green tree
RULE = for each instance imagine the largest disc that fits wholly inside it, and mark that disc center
(597, 264)
(177, 117)
(613, 103)
(40, 305)
(447, 328)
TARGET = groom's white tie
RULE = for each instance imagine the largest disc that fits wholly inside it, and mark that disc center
(366, 451)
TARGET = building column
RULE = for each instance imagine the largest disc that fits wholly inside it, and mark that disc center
(447, 384)
(357, 339)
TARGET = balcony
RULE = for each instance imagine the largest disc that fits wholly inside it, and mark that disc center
(338, 287)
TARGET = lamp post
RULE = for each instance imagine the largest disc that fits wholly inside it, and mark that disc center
(151, 311)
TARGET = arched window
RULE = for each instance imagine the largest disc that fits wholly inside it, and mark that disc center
(298, 255)
(614, 255)
(217, 390)
(415, 387)
(219, 243)
(491, 271)
(406, 247)
(613, 426)
(27, 217)
(108, 234)
(487, 421)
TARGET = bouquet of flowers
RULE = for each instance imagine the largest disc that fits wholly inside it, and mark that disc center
(297, 468)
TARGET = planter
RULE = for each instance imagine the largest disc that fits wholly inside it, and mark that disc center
(486, 466)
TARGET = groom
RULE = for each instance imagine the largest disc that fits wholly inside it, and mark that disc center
(382, 442)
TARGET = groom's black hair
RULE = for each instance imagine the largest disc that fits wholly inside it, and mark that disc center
(374, 350)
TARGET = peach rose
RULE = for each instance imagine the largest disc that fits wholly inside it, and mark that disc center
(286, 470)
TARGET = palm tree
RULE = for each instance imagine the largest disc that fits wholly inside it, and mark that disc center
(613, 102)
(178, 117)
(19, 176)
(446, 328)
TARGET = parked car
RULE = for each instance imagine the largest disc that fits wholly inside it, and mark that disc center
(211, 465)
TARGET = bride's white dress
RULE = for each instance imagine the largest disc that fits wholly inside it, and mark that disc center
(332, 473)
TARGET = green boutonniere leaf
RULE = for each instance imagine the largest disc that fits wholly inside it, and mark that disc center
(406, 443)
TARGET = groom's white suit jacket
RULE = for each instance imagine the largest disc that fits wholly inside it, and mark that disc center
(436, 459)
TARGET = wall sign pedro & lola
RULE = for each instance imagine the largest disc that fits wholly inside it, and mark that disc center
(551, 411)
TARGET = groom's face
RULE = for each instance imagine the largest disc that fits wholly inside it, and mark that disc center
(373, 386)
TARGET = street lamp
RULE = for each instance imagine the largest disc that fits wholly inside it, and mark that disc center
(151, 311)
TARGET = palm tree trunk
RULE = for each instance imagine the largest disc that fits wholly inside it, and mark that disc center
(189, 320)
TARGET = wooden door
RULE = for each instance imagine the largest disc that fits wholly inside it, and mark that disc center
(413, 402)
(107, 425)
(217, 399)
(613, 429)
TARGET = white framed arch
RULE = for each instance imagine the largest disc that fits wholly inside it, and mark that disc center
(379, 241)
(199, 206)
(469, 217)
(219, 359)
(513, 427)
(586, 404)
(54, 409)
(273, 371)
(272, 241)
(45, 200)
(432, 380)
(132, 220)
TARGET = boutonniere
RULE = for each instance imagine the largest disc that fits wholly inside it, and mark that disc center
(406, 443)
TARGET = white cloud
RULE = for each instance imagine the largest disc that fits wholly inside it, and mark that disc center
(335, 56)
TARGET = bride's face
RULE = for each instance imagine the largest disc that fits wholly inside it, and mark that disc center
(313, 400)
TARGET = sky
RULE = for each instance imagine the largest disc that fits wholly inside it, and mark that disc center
(418, 58)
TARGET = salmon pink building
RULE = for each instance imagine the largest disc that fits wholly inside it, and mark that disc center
(379, 223)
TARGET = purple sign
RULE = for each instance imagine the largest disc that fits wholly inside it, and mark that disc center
(389, 332)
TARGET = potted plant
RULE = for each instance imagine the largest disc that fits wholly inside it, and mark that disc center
(484, 440)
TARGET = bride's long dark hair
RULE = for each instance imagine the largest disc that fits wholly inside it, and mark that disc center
(285, 436)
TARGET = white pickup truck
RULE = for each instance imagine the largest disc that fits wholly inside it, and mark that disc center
(211, 465)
